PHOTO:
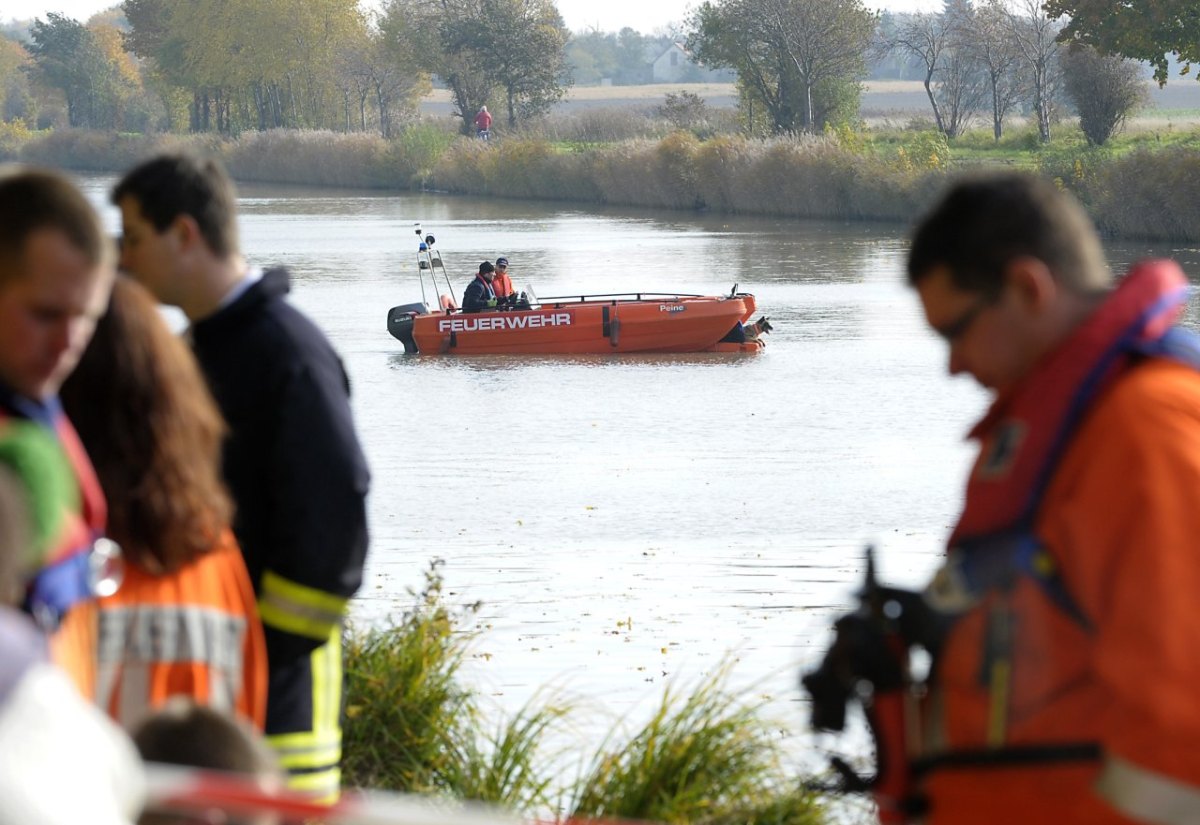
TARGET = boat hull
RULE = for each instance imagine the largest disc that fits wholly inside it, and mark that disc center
(690, 324)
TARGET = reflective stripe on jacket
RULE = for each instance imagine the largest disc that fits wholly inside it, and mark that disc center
(194, 632)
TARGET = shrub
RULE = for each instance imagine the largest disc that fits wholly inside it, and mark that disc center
(710, 758)
(13, 136)
(1105, 89)
(89, 150)
(317, 157)
(410, 158)
(411, 727)
(404, 708)
(1147, 194)
(684, 110)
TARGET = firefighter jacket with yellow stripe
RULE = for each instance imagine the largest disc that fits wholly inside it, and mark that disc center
(299, 482)
(193, 632)
(1067, 692)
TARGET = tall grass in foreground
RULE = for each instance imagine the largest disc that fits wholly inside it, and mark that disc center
(702, 758)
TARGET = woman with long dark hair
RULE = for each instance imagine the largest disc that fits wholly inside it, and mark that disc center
(185, 620)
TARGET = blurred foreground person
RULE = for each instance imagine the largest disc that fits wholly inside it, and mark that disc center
(185, 620)
(189, 735)
(1065, 688)
(56, 270)
(292, 461)
(61, 761)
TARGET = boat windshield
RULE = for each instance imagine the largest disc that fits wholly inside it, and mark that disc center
(529, 294)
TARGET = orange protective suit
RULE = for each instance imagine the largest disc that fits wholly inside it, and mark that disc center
(194, 632)
(1121, 518)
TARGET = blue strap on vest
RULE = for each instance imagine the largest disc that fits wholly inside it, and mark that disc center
(59, 586)
(994, 562)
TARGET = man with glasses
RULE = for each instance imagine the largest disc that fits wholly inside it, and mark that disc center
(1064, 690)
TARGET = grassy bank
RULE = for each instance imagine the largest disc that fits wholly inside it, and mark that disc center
(705, 756)
(1137, 187)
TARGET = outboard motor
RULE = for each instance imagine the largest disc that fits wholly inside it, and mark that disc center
(400, 323)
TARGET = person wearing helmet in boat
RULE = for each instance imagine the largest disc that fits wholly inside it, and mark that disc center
(479, 294)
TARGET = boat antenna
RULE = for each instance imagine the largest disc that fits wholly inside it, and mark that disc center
(429, 240)
(423, 263)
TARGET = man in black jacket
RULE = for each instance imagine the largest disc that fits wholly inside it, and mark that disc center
(479, 294)
(292, 460)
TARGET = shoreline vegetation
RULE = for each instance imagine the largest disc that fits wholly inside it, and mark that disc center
(709, 756)
(1135, 187)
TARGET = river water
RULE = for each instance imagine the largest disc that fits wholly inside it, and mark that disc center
(632, 522)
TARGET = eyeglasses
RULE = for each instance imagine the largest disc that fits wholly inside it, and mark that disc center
(957, 328)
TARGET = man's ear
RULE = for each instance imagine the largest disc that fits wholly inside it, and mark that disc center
(1031, 282)
(187, 232)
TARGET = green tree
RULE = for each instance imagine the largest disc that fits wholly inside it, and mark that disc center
(370, 69)
(1105, 89)
(479, 48)
(785, 52)
(67, 57)
(1149, 30)
(16, 98)
(444, 34)
(528, 55)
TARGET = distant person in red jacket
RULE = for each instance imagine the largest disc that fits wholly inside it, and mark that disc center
(483, 122)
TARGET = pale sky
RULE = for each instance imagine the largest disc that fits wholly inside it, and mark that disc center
(607, 15)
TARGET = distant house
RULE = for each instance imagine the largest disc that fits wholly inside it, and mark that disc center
(675, 65)
(671, 65)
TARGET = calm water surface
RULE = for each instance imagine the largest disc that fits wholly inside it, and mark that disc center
(629, 521)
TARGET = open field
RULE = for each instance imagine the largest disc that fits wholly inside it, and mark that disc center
(1176, 105)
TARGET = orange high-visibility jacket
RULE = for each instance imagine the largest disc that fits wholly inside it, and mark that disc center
(1122, 520)
(194, 632)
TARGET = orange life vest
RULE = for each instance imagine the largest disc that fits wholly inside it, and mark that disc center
(193, 632)
(502, 284)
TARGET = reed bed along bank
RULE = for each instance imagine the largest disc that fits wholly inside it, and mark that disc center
(706, 756)
(1140, 192)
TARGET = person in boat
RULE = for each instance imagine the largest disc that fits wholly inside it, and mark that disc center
(479, 294)
(502, 283)
(293, 462)
(1064, 689)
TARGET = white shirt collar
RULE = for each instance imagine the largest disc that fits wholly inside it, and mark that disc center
(253, 275)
